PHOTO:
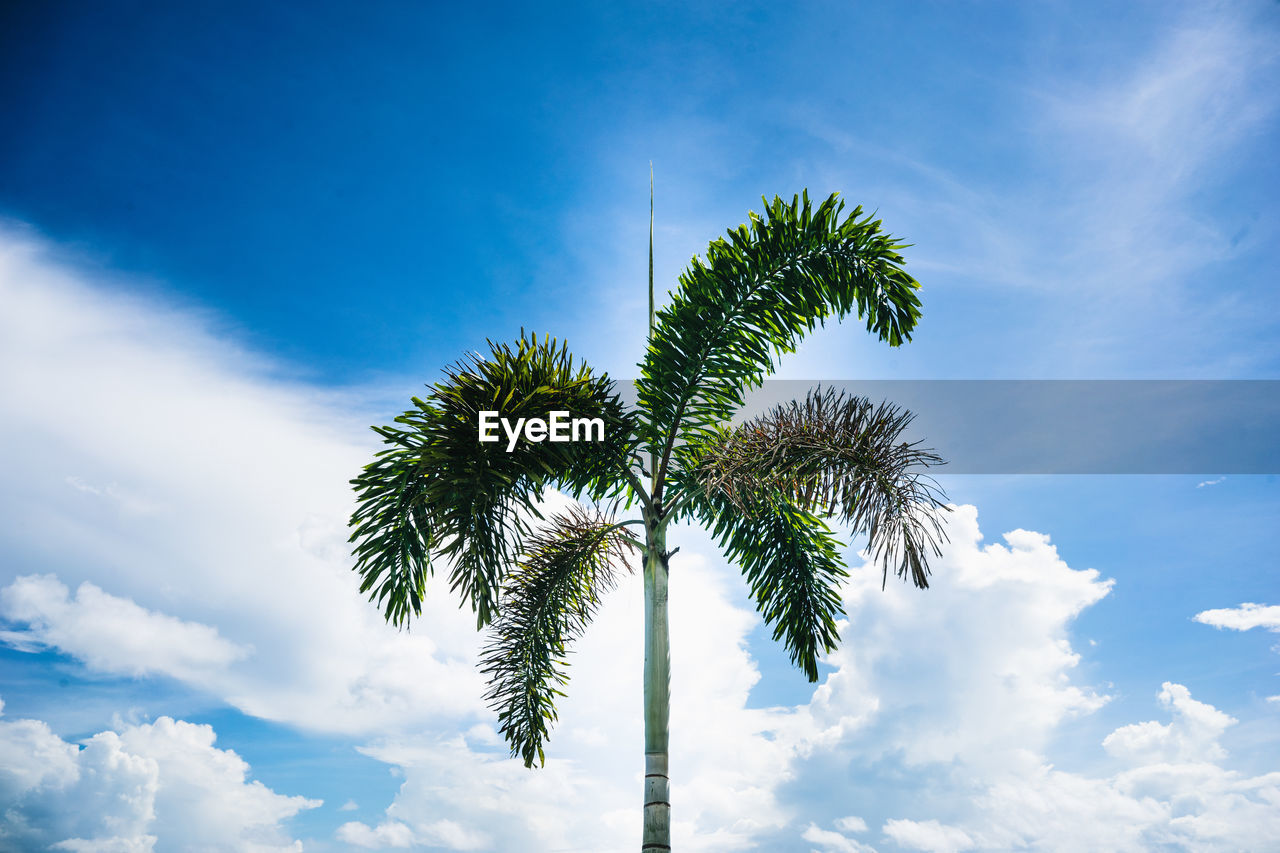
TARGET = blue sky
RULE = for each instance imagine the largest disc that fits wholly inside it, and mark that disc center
(231, 238)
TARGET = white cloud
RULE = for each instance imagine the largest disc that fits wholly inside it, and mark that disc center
(34, 758)
(249, 474)
(1137, 150)
(246, 550)
(728, 759)
(393, 834)
(927, 835)
(127, 503)
(948, 700)
(975, 668)
(1137, 142)
(1171, 796)
(586, 797)
(921, 677)
(198, 513)
(851, 824)
(112, 634)
(390, 834)
(834, 842)
(161, 782)
(1242, 618)
(952, 697)
(1212, 482)
(1192, 736)
(1127, 192)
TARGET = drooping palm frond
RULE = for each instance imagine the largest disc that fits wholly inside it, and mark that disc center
(547, 602)
(842, 456)
(759, 291)
(438, 492)
(393, 521)
(793, 566)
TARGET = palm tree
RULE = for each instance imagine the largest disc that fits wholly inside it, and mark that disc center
(437, 496)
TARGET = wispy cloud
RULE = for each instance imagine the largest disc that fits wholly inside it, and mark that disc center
(112, 492)
(1117, 210)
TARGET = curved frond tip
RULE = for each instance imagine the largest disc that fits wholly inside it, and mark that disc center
(547, 602)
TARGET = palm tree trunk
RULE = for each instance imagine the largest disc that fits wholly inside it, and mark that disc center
(657, 696)
(657, 650)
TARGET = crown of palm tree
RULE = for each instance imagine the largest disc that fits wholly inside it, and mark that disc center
(436, 496)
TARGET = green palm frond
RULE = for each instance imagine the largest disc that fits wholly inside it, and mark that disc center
(440, 493)
(760, 290)
(792, 563)
(394, 524)
(841, 456)
(547, 602)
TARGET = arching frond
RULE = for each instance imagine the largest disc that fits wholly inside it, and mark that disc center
(547, 602)
(440, 493)
(761, 288)
(842, 456)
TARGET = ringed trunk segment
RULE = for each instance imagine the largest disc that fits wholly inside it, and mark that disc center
(657, 696)
(657, 803)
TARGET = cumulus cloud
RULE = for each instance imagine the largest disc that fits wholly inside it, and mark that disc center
(1242, 618)
(951, 699)
(1171, 794)
(1192, 736)
(851, 824)
(976, 669)
(111, 634)
(163, 782)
